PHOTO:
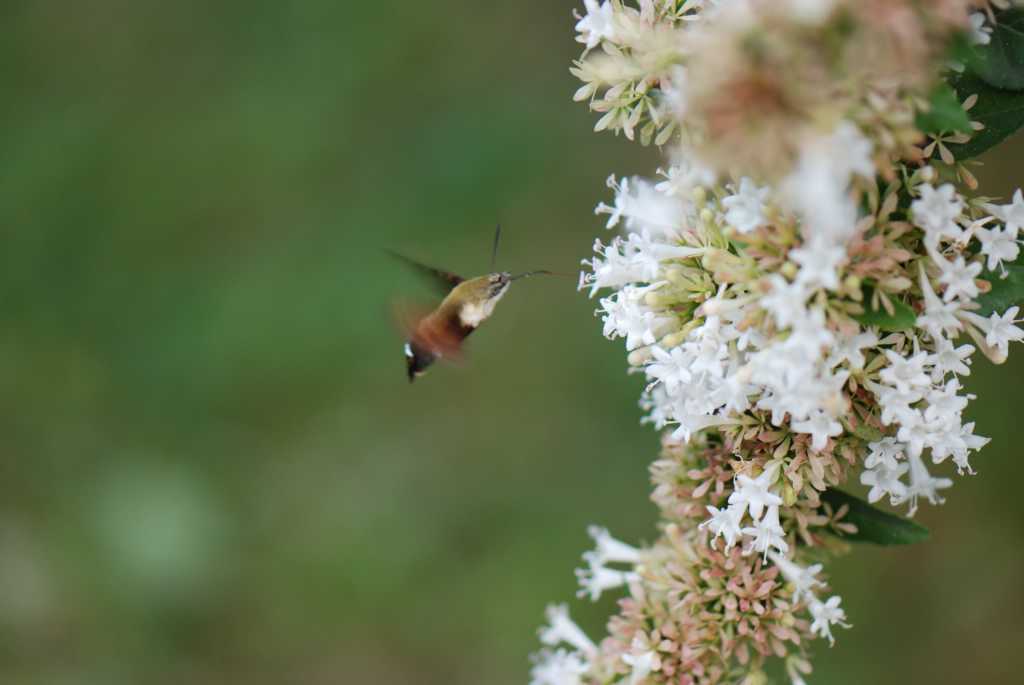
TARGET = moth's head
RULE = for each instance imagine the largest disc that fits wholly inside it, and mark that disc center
(497, 284)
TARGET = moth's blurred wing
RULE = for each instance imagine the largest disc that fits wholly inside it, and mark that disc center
(444, 281)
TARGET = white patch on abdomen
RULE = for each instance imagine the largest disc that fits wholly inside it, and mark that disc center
(473, 314)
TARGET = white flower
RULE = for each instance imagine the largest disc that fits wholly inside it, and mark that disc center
(671, 368)
(817, 189)
(979, 33)
(937, 211)
(643, 207)
(683, 176)
(945, 404)
(826, 615)
(999, 245)
(557, 667)
(958, 277)
(753, 493)
(820, 426)
(961, 449)
(724, 522)
(1012, 214)
(887, 451)
(950, 359)
(597, 25)
(642, 663)
(895, 403)
(745, 208)
(610, 549)
(939, 318)
(848, 348)
(850, 150)
(803, 579)
(923, 484)
(906, 373)
(597, 578)
(885, 480)
(819, 260)
(627, 317)
(561, 629)
(786, 301)
(1002, 331)
(767, 533)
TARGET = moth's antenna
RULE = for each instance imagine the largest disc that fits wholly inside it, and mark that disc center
(494, 250)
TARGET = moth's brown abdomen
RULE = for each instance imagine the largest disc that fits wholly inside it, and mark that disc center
(438, 335)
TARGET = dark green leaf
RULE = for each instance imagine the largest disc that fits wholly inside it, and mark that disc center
(944, 113)
(1001, 111)
(901, 319)
(1001, 62)
(1006, 292)
(874, 525)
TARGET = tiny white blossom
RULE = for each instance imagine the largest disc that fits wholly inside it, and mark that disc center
(885, 480)
(827, 614)
(671, 368)
(683, 176)
(906, 373)
(786, 301)
(819, 260)
(939, 318)
(767, 534)
(597, 24)
(1002, 331)
(848, 349)
(820, 426)
(724, 522)
(850, 148)
(642, 663)
(923, 484)
(968, 442)
(937, 211)
(979, 33)
(817, 187)
(804, 580)
(557, 667)
(561, 629)
(597, 578)
(998, 245)
(950, 359)
(958, 277)
(1012, 214)
(610, 549)
(745, 208)
(626, 316)
(887, 451)
(754, 493)
(642, 207)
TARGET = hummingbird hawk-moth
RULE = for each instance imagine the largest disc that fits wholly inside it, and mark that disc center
(467, 303)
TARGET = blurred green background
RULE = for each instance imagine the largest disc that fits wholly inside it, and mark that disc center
(214, 468)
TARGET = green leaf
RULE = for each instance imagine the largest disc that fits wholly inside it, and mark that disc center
(944, 113)
(1001, 63)
(1001, 111)
(902, 317)
(874, 525)
(1006, 292)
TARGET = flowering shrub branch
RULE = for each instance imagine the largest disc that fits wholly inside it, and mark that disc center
(804, 287)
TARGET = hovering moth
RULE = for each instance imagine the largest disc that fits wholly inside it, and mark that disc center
(467, 303)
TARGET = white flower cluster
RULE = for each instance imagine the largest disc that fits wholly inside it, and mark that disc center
(763, 341)
(803, 293)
